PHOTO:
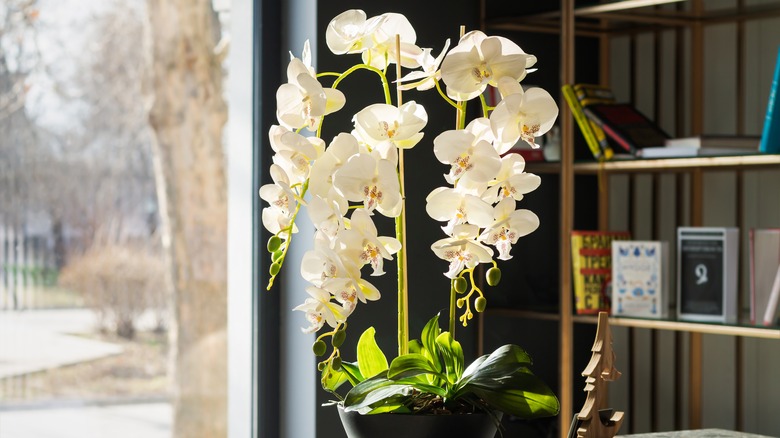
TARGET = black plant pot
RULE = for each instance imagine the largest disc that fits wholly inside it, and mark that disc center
(478, 425)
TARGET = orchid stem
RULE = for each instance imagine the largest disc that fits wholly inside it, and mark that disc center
(400, 231)
(452, 308)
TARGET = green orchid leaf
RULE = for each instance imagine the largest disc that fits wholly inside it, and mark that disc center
(415, 346)
(410, 365)
(522, 394)
(352, 371)
(452, 355)
(374, 390)
(332, 379)
(501, 363)
(428, 339)
(371, 360)
(396, 407)
(474, 366)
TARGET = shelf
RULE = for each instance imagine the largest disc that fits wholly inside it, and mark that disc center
(687, 326)
(639, 165)
(665, 324)
(625, 16)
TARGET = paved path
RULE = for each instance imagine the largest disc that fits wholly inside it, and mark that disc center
(36, 340)
(148, 420)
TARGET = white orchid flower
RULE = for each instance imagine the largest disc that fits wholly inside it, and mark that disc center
(320, 309)
(380, 123)
(361, 242)
(350, 32)
(426, 78)
(462, 250)
(278, 215)
(303, 101)
(294, 152)
(323, 262)
(327, 214)
(509, 225)
(456, 207)
(511, 181)
(372, 181)
(336, 155)
(382, 51)
(469, 153)
(523, 116)
(479, 60)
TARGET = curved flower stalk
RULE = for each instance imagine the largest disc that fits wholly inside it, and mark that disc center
(342, 183)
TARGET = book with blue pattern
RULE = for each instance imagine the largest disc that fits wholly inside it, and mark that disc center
(640, 278)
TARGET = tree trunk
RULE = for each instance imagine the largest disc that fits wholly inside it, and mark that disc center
(188, 115)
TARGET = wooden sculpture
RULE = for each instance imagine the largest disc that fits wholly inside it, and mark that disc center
(596, 421)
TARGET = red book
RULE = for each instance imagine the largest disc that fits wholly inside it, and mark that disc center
(626, 126)
(591, 256)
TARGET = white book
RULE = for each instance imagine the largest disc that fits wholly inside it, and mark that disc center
(707, 264)
(640, 278)
(764, 263)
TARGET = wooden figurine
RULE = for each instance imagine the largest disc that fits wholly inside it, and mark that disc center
(596, 421)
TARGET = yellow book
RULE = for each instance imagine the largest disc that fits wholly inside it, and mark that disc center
(591, 262)
(586, 127)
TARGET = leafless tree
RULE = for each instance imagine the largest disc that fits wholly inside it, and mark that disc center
(188, 117)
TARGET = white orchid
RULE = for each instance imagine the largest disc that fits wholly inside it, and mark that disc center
(379, 123)
(282, 202)
(303, 101)
(336, 155)
(469, 153)
(462, 250)
(479, 60)
(362, 243)
(320, 309)
(509, 225)
(350, 32)
(327, 214)
(382, 50)
(361, 171)
(456, 207)
(372, 181)
(511, 181)
(523, 115)
(322, 263)
(294, 152)
(426, 78)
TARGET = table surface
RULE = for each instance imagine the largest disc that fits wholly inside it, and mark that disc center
(701, 433)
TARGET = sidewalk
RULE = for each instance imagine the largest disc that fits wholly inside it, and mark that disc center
(148, 420)
(36, 340)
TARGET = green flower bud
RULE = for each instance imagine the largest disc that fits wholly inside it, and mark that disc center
(338, 338)
(479, 304)
(319, 348)
(493, 276)
(320, 366)
(460, 285)
(277, 255)
(336, 364)
(274, 243)
(274, 269)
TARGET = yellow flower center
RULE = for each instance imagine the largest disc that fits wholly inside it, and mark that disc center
(389, 130)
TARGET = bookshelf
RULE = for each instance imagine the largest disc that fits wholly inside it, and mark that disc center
(689, 19)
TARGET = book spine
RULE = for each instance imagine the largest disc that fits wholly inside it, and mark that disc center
(751, 243)
(614, 135)
(582, 121)
(770, 139)
(774, 297)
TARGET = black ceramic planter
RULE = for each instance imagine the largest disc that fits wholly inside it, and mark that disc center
(478, 425)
